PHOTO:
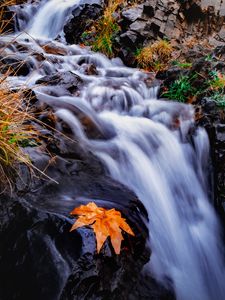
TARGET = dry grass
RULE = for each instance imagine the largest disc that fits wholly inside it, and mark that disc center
(155, 57)
(16, 117)
(3, 11)
(15, 129)
(218, 81)
(15, 132)
(106, 29)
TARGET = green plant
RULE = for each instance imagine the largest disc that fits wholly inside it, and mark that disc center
(180, 89)
(216, 87)
(155, 57)
(209, 57)
(217, 82)
(182, 65)
(219, 99)
(106, 29)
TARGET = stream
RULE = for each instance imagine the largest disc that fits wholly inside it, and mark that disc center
(149, 145)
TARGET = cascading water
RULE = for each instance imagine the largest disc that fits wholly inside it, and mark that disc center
(147, 146)
(49, 20)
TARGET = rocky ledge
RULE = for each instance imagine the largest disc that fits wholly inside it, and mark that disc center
(184, 23)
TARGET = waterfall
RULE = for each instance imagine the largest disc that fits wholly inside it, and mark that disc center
(184, 231)
(151, 146)
(49, 20)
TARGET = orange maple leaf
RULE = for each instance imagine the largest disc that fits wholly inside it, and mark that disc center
(104, 223)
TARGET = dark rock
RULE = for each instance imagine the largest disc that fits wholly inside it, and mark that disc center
(32, 256)
(178, 21)
(88, 69)
(7, 20)
(149, 9)
(132, 14)
(219, 52)
(220, 66)
(15, 66)
(193, 54)
(45, 260)
(128, 57)
(147, 288)
(138, 26)
(201, 65)
(170, 75)
(213, 120)
(82, 19)
(129, 39)
(66, 80)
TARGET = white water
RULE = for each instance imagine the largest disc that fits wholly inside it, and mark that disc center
(148, 150)
(50, 18)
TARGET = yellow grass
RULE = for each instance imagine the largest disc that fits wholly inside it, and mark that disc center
(156, 56)
(15, 132)
(106, 28)
(3, 5)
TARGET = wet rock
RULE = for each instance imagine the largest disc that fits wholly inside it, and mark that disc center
(54, 49)
(7, 20)
(213, 120)
(127, 56)
(82, 19)
(45, 260)
(67, 81)
(34, 248)
(146, 288)
(88, 69)
(15, 66)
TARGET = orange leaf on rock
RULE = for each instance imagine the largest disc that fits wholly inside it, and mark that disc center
(104, 223)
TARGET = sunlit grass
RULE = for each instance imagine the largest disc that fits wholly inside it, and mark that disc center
(106, 29)
(16, 130)
(155, 57)
(4, 22)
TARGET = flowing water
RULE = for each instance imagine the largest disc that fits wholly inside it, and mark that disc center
(149, 145)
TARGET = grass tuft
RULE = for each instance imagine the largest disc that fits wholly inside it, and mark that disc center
(155, 57)
(15, 132)
(180, 90)
(106, 29)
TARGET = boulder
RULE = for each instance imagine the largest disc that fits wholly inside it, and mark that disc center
(82, 19)
(66, 81)
(15, 66)
(40, 255)
(132, 14)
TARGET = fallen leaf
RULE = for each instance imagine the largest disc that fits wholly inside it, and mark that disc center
(191, 99)
(104, 223)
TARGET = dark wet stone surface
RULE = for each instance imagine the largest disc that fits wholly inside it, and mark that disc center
(82, 19)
